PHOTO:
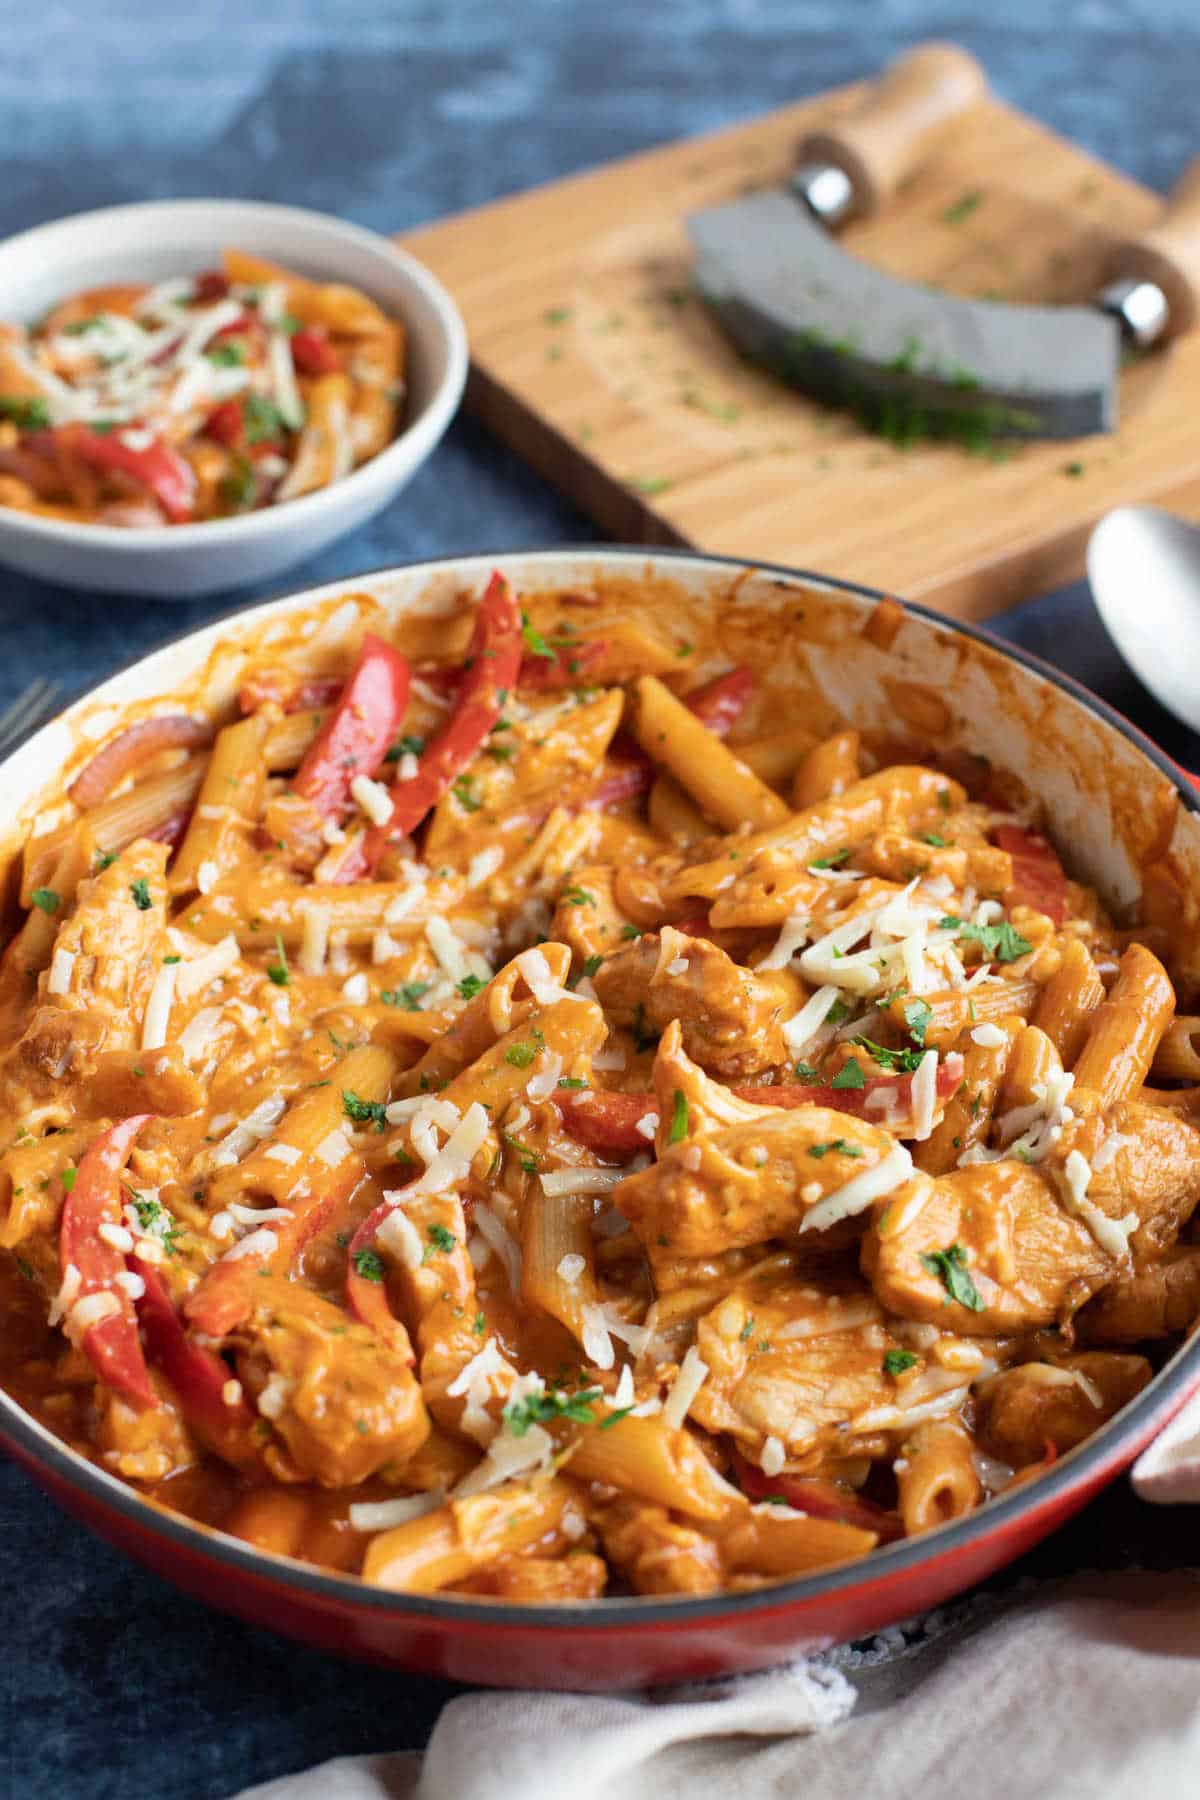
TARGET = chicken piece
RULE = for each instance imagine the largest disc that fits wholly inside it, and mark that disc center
(730, 1018)
(1036, 1245)
(993, 1242)
(898, 857)
(1058, 1404)
(426, 1240)
(655, 1552)
(343, 1402)
(806, 1366)
(1153, 1172)
(141, 1444)
(1151, 1302)
(587, 917)
(740, 1174)
(539, 1580)
(106, 955)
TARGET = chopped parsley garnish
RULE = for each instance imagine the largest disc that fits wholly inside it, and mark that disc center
(409, 745)
(931, 837)
(46, 900)
(27, 412)
(642, 1039)
(891, 1060)
(963, 207)
(831, 862)
(679, 1118)
(577, 896)
(526, 1155)
(571, 1081)
(238, 488)
(464, 793)
(479, 1324)
(838, 1013)
(747, 1331)
(536, 1409)
(68, 1179)
(262, 419)
(279, 971)
(368, 1264)
(1001, 943)
(140, 890)
(78, 327)
(172, 959)
(364, 1112)
(590, 967)
(950, 1267)
(896, 1361)
(535, 643)
(470, 985)
(840, 1145)
(631, 931)
(850, 1075)
(104, 860)
(614, 1418)
(226, 356)
(439, 1239)
(407, 997)
(808, 1075)
(520, 1055)
(502, 752)
(917, 1015)
(944, 799)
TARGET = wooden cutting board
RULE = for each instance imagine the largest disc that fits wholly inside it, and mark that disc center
(593, 359)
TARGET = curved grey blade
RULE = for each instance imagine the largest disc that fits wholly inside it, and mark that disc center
(911, 360)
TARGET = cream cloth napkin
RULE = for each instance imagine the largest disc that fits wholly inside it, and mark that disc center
(1085, 1689)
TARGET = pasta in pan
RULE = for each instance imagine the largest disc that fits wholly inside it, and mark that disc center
(524, 1112)
(196, 398)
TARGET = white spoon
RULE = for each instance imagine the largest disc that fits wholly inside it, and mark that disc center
(1144, 570)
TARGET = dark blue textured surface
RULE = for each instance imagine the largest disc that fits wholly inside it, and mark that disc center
(391, 115)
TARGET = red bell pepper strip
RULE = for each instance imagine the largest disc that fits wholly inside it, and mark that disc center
(368, 1299)
(720, 703)
(112, 1345)
(360, 730)
(225, 423)
(490, 672)
(198, 1376)
(158, 468)
(210, 284)
(819, 1498)
(1038, 878)
(227, 1291)
(312, 352)
(607, 1121)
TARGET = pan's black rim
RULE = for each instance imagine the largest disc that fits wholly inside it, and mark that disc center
(1113, 1444)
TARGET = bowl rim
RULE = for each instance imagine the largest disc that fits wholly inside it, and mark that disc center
(406, 451)
(1121, 1438)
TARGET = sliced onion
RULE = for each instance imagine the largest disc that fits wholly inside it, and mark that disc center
(135, 745)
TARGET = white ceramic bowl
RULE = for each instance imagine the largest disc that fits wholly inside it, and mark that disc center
(166, 237)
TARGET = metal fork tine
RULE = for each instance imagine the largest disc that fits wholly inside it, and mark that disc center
(27, 710)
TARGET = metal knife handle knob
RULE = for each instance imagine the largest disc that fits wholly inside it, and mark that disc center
(898, 123)
(1166, 257)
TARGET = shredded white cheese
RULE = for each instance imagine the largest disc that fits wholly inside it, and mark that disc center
(693, 1373)
(483, 865)
(556, 1182)
(792, 937)
(314, 937)
(372, 798)
(924, 1095)
(199, 972)
(158, 1007)
(207, 876)
(772, 1456)
(400, 1237)
(356, 989)
(501, 1241)
(61, 964)
(263, 1242)
(988, 1037)
(383, 1515)
(571, 1267)
(860, 1192)
(802, 1027)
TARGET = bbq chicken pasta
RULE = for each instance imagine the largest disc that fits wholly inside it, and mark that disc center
(510, 1107)
(198, 398)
